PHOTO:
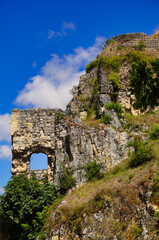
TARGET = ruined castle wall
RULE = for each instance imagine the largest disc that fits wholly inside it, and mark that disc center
(133, 39)
(35, 131)
(66, 142)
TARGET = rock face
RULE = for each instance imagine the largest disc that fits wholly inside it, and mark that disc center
(64, 142)
(122, 44)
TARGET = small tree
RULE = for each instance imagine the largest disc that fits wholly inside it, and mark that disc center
(93, 171)
(142, 153)
(144, 83)
(22, 206)
(66, 180)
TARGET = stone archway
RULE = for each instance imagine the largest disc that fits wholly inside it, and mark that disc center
(36, 131)
(21, 162)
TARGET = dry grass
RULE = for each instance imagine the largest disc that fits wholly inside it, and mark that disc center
(92, 122)
(116, 196)
(119, 188)
(148, 119)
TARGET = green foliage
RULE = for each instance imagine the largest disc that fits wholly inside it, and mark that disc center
(144, 83)
(155, 192)
(94, 109)
(107, 118)
(66, 180)
(141, 46)
(142, 153)
(116, 106)
(91, 65)
(114, 78)
(74, 90)
(95, 84)
(112, 63)
(155, 132)
(108, 42)
(93, 171)
(61, 114)
(22, 207)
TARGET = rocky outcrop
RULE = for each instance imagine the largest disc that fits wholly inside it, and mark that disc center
(121, 45)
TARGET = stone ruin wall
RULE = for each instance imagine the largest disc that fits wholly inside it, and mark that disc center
(65, 142)
(133, 39)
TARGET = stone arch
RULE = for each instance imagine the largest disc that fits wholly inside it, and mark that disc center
(38, 161)
(21, 161)
(36, 131)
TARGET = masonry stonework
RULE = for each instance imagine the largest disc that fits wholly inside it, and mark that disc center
(65, 141)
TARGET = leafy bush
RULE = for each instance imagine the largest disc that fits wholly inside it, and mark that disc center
(155, 192)
(22, 207)
(144, 83)
(114, 78)
(108, 42)
(155, 132)
(74, 90)
(93, 171)
(91, 65)
(66, 180)
(107, 118)
(142, 153)
(116, 106)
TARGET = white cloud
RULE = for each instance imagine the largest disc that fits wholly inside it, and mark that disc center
(5, 152)
(63, 31)
(66, 26)
(51, 87)
(5, 127)
(1, 190)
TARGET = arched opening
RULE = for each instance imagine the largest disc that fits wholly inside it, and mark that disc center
(38, 161)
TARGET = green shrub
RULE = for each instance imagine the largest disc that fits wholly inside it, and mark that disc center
(155, 190)
(93, 171)
(108, 42)
(116, 106)
(74, 90)
(66, 180)
(155, 132)
(144, 84)
(91, 65)
(107, 118)
(22, 207)
(114, 78)
(142, 153)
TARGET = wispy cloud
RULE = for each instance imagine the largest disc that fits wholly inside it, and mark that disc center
(63, 31)
(34, 64)
(5, 127)
(51, 87)
(5, 152)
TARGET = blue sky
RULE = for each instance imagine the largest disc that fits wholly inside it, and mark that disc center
(45, 46)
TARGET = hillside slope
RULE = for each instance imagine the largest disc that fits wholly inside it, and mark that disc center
(124, 204)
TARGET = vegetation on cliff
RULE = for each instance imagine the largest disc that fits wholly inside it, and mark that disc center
(119, 205)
